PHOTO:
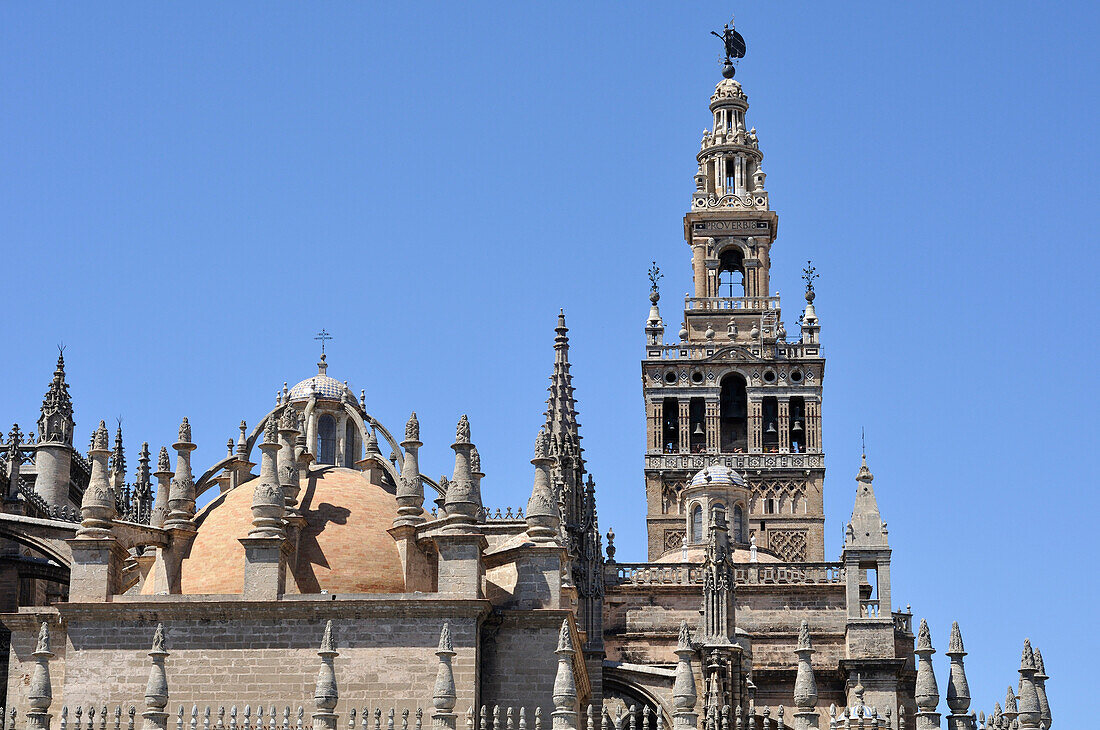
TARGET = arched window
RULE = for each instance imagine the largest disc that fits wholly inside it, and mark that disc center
(696, 524)
(738, 524)
(326, 440)
(351, 443)
(718, 513)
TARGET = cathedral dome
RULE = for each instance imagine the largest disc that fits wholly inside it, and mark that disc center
(345, 547)
(717, 475)
(326, 387)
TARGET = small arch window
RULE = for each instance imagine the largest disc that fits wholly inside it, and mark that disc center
(351, 443)
(738, 524)
(697, 524)
(326, 439)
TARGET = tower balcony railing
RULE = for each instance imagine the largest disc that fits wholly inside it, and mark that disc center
(793, 349)
(725, 304)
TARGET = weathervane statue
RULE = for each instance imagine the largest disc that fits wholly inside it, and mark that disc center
(735, 47)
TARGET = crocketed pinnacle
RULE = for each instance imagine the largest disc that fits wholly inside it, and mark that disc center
(97, 507)
(55, 423)
(805, 684)
(444, 694)
(325, 694)
(958, 690)
(561, 411)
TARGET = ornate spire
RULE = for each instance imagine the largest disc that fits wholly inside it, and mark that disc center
(143, 489)
(1029, 712)
(565, 685)
(958, 691)
(805, 685)
(55, 424)
(15, 459)
(181, 491)
(1041, 689)
(463, 499)
(163, 476)
(543, 520)
(287, 462)
(118, 459)
(927, 693)
(97, 508)
(268, 501)
(410, 490)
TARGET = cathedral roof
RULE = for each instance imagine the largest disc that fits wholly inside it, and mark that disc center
(345, 547)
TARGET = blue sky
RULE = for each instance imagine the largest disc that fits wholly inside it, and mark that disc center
(188, 192)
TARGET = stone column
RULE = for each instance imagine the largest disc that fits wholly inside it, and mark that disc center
(756, 434)
(684, 695)
(156, 691)
(713, 427)
(784, 426)
(699, 266)
(684, 419)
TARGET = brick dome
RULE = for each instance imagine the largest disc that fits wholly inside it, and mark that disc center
(345, 547)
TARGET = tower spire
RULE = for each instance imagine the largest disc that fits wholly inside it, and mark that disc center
(55, 424)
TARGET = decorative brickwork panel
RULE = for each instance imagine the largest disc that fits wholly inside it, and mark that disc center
(674, 539)
(789, 544)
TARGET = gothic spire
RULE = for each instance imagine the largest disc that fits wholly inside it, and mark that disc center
(56, 423)
(561, 413)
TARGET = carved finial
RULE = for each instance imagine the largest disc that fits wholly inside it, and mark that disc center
(158, 639)
(542, 444)
(412, 428)
(1027, 661)
(163, 463)
(462, 430)
(955, 646)
(683, 641)
(185, 431)
(43, 646)
(443, 697)
(271, 432)
(445, 644)
(475, 461)
(804, 641)
(99, 438)
(288, 421)
(326, 639)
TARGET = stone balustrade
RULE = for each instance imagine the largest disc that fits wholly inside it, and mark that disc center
(726, 304)
(687, 574)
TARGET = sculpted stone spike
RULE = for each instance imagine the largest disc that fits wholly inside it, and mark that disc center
(271, 432)
(163, 462)
(99, 438)
(185, 431)
(39, 692)
(804, 636)
(958, 691)
(412, 428)
(1029, 709)
(543, 512)
(97, 506)
(1027, 660)
(288, 421)
(325, 694)
(475, 461)
(927, 693)
(805, 684)
(156, 690)
(443, 697)
(565, 685)
(268, 498)
(684, 694)
(462, 431)
(1041, 688)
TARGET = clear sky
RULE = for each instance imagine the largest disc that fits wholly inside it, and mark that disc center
(189, 191)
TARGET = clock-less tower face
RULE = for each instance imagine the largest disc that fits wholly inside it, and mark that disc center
(735, 385)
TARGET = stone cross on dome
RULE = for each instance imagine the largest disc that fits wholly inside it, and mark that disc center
(323, 335)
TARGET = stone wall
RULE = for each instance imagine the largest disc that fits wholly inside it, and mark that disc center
(238, 652)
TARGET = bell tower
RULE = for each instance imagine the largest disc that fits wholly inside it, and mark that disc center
(734, 387)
